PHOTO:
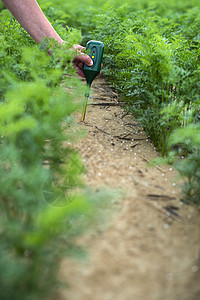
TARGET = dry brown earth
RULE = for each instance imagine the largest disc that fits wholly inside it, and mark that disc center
(151, 248)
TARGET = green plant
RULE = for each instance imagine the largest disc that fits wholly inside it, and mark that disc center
(186, 157)
(41, 210)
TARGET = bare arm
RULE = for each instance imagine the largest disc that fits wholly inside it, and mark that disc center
(29, 14)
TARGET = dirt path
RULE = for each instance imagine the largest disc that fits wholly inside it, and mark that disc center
(151, 250)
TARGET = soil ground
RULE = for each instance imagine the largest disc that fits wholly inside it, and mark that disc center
(151, 248)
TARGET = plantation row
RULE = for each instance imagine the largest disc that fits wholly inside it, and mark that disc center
(151, 57)
(153, 60)
(39, 175)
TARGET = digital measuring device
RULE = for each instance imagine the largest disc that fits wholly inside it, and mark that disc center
(95, 50)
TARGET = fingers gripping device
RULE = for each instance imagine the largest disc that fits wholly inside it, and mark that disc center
(95, 50)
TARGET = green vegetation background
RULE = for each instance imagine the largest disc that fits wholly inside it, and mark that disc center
(151, 57)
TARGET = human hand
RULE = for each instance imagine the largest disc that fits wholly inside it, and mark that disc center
(81, 58)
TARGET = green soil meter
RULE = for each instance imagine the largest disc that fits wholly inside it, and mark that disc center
(95, 50)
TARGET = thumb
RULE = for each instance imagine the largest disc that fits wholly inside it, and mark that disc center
(86, 59)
